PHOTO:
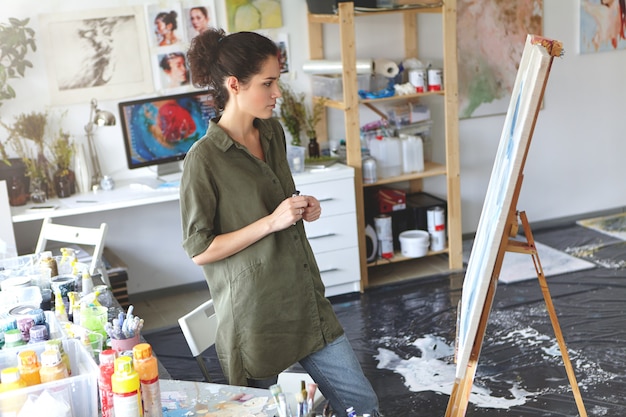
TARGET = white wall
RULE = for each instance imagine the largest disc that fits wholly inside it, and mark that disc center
(575, 164)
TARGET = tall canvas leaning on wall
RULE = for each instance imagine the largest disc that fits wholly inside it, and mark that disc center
(508, 167)
(96, 53)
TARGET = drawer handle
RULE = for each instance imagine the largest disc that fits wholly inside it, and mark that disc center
(321, 200)
(321, 236)
(328, 270)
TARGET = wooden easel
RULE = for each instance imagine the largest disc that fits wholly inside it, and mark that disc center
(459, 398)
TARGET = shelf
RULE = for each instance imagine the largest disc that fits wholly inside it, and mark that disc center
(431, 169)
(350, 105)
(398, 257)
(334, 18)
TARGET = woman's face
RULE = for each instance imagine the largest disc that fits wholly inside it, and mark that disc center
(198, 20)
(161, 27)
(258, 97)
(178, 70)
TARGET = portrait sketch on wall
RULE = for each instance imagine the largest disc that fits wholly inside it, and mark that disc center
(282, 43)
(96, 53)
(253, 14)
(602, 25)
(165, 25)
(488, 54)
(198, 17)
(171, 70)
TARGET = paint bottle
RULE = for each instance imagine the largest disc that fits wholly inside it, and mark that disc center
(13, 338)
(57, 345)
(126, 389)
(11, 381)
(86, 283)
(148, 369)
(29, 366)
(47, 261)
(107, 367)
(52, 366)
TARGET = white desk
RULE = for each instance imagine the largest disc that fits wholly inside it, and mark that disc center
(145, 229)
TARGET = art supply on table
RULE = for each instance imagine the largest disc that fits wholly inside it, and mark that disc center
(350, 412)
(29, 366)
(57, 345)
(94, 318)
(11, 381)
(146, 365)
(126, 389)
(276, 392)
(52, 366)
(311, 388)
(47, 261)
(107, 367)
(124, 331)
(13, 338)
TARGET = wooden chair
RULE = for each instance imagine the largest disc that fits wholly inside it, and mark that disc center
(76, 235)
(200, 328)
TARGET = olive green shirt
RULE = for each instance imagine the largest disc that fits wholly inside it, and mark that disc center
(269, 297)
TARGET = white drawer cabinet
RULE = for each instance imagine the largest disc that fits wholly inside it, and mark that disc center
(334, 237)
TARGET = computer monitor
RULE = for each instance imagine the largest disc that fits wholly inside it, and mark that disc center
(158, 131)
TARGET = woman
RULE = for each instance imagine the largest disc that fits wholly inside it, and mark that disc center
(165, 28)
(241, 219)
(199, 17)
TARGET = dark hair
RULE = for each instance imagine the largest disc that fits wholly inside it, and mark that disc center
(213, 56)
(168, 18)
(202, 10)
(165, 61)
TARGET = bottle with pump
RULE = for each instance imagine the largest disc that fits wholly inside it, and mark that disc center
(126, 389)
(28, 365)
(147, 367)
(107, 367)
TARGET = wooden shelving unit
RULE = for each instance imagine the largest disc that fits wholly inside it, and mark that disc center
(345, 19)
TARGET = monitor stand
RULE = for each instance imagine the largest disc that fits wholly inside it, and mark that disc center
(169, 172)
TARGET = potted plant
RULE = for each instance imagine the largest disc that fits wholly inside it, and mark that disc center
(64, 179)
(17, 40)
(313, 115)
(292, 112)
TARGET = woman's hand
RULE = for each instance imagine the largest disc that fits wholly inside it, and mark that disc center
(290, 211)
(313, 210)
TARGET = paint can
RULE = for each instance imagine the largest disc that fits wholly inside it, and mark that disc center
(384, 232)
(417, 78)
(435, 79)
(436, 221)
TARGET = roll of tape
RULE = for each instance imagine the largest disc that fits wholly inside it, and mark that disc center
(386, 68)
(322, 66)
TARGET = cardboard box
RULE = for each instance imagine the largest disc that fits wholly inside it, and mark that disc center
(390, 200)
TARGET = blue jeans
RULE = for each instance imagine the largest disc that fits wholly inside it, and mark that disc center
(339, 377)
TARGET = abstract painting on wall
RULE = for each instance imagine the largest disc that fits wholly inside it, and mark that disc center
(113, 59)
(602, 25)
(253, 14)
(489, 52)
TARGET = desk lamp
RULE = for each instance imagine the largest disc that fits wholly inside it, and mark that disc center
(97, 117)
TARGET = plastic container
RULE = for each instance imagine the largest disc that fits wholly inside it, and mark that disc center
(331, 86)
(83, 384)
(126, 389)
(412, 154)
(388, 154)
(147, 367)
(414, 243)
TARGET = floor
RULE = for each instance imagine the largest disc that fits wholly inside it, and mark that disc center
(404, 336)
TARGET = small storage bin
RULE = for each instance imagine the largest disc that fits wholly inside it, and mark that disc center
(414, 243)
(80, 389)
(331, 86)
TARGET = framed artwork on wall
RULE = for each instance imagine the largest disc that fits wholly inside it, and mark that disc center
(602, 25)
(165, 25)
(96, 53)
(253, 14)
(490, 52)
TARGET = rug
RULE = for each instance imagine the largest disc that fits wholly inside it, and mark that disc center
(613, 225)
(519, 266)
